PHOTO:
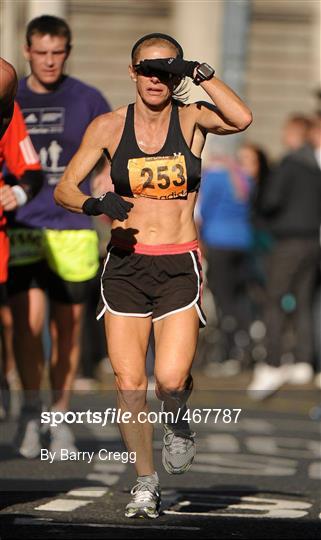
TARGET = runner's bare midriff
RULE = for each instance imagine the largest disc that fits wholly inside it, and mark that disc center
(154, 222)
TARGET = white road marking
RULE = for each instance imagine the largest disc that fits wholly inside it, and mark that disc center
(295, 425)
(244, 464)
(258, 425)
(110, 467)
(315, 470)
(62, 505)
(284, 446)
(250, 425)
(221, 442)
(108, 433)
(257, 508)
(268, 471)
(106, 479)
(88, 492)
(264, 426)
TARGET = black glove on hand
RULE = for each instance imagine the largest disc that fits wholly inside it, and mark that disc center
(111, 204)
(175, 66)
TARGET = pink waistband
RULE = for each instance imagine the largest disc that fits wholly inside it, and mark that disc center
(160, 249)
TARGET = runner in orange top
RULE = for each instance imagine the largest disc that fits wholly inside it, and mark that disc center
(21, 159)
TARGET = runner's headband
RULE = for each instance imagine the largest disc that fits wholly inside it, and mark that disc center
(161, 36)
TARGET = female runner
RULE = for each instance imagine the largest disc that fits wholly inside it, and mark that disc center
(152, 272)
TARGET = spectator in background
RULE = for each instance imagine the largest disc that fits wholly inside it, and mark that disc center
(93, 365)
(315, 140)
(8, 89)
(292, 202)
(295, 132)
(254, 163)
(225, 231)
(53, 251)
(317, 330)
(20, 158)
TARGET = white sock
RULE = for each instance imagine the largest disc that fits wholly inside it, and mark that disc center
(153, 478)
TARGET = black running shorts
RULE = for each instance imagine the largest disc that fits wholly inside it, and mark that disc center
(3, 294)
(38, 275)
(151, 281)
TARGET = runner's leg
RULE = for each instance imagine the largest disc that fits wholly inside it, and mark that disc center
(175, 345)
(6, 324)
(176, 340)
(28, 310)
(7, 362)
(65, 327)
(127, 339)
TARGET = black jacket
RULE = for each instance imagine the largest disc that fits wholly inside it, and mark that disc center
(292, 196)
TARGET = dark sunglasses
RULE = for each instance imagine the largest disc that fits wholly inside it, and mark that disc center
(161, 75)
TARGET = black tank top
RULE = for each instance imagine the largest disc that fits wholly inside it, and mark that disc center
(171, 173)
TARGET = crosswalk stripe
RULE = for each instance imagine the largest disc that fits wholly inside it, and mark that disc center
(62, 505)
(88, 492)
(315, 470)
(103, 434)
(109, 467)
(107, 479)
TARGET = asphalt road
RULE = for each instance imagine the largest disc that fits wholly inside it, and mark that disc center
(256, 478)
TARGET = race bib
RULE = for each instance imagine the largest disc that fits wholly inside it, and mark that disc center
(161, 177)
(26, 246)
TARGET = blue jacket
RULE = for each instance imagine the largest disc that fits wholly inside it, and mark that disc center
(225, 208)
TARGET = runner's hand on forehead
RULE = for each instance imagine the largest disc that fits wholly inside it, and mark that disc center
(174, 66)
(110, 204)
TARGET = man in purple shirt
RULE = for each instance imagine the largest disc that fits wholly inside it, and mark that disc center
(53, 251)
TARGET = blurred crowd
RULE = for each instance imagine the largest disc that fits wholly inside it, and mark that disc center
(259, 223)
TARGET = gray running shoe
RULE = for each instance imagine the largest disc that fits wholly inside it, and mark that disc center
(145, 502)
(61, 437)
(178, 451)
(27, 442)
